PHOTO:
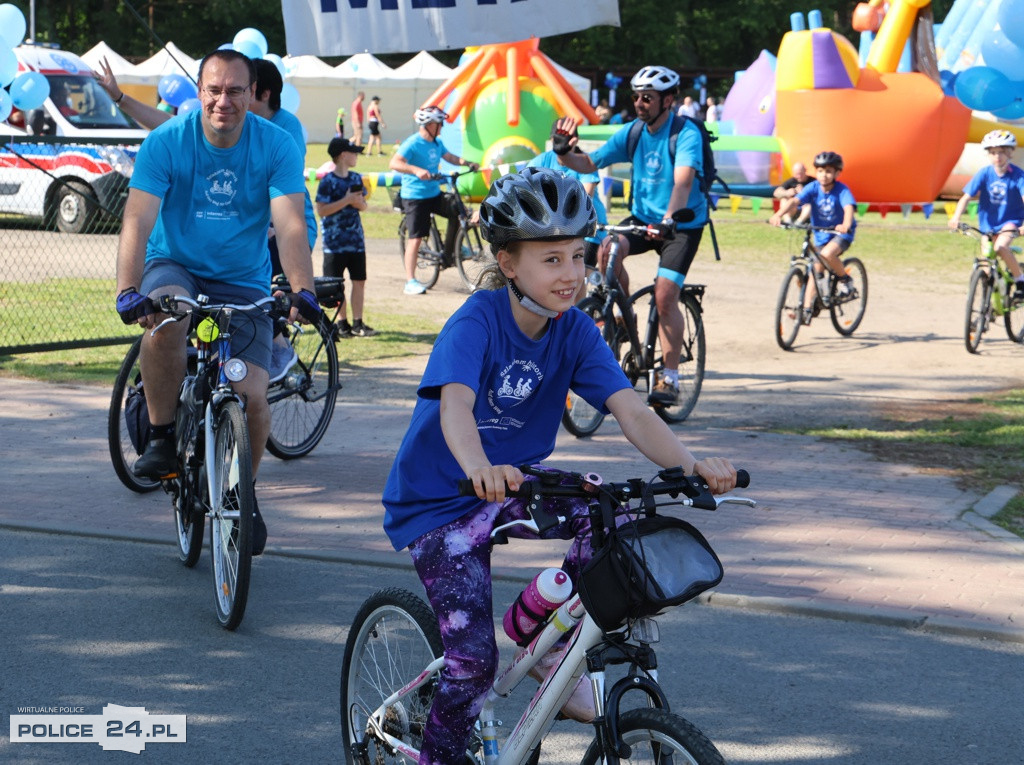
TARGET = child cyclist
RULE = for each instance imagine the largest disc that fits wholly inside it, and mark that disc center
(830, 204)
(1000, 192)
(491, 399)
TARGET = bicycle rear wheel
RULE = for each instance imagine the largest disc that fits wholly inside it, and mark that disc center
(122, 453)
(579, 417)
(1013, 319)
(979, 299)
(657, 736)
(231, 514)
(472, 256)
(848, 312)
(428, 261)
(392, 638)
(789, 308)
(302, 403)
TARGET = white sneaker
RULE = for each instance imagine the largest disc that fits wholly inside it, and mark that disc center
(580, 704)
(413, 287)
(282, 358)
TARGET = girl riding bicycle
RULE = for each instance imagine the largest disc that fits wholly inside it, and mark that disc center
(490, 400)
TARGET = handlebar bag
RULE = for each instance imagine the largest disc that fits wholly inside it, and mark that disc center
(646, 566)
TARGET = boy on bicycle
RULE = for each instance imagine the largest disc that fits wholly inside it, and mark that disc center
(490, 400)
(999, 189)
(829, 204)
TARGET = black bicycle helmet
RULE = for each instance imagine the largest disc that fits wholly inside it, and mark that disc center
(829, 159)
(536, 203)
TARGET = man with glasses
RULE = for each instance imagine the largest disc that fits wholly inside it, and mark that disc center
(205, 188)
(661, 186)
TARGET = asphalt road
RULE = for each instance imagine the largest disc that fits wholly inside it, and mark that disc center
(89, 622)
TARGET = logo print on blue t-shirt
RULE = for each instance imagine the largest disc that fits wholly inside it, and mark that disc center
(997, 191)
(223, 184)
(827, 206)
(516, 383)
(652, 163)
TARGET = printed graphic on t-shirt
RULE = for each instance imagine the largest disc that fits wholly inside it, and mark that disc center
(221, 191)
(516, 383)
(997, 190)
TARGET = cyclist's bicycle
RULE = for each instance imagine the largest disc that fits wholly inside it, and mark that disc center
(643, 563)
(990, 294)
(301, 404)
(469, 253)
(845, 310)
(641, 359)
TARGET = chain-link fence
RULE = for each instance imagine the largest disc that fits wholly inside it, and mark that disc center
(61, 201)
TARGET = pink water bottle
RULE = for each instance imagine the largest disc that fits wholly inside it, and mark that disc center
(548, 590)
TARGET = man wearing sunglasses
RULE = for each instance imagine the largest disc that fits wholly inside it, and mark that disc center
(660, 187)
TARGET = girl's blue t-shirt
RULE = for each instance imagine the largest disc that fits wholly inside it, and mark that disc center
(520, 385)
(215, 207)
(827, 208)
(418, 151)
(1000, 199)
(653, 178)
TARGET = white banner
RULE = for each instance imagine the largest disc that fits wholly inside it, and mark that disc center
(345, 27)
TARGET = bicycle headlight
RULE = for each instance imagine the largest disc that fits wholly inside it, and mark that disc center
(235, 370)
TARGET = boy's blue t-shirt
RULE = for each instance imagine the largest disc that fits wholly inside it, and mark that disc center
(343, 230)
(520, 385)
(215, 207)
(1000, 199)
(420, 152)
(288, 122)
(652, 179)
(827, 208)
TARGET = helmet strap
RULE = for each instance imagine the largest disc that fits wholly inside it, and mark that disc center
(531, 305)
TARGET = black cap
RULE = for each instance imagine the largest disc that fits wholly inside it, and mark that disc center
(338, 145)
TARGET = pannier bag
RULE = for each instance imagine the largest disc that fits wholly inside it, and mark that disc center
(646, 566)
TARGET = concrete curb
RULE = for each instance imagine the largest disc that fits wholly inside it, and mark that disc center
(986, 508)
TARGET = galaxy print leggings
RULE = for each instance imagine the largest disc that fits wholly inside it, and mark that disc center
(454, 564)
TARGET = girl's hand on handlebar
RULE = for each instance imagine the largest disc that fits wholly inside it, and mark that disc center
(489, 482)
(718, 472)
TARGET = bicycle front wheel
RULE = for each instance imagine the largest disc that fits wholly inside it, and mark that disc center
(122, 453)
(428, 262)
(302, 403)
(979, 298)
(847, 312)
(231, 514)
(657, 736)
(579, 417)
(393, 637)
(789, 308)
(1013, 319)
(472, 256)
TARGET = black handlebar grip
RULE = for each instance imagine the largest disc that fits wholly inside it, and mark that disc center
(742, 479)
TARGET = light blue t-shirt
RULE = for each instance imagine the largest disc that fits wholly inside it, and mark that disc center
(520, 386)
(827, 209)
(549, 160)
(215, 206)
(999, 201)
(653, 174)
(420, 152)
(288, 122)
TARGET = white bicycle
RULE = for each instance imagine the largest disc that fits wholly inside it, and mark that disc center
(643, 563)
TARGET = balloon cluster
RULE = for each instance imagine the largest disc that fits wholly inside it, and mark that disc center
(611, 81)
(992, 87)
(24, 91)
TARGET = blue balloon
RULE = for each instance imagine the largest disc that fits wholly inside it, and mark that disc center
(983, 88)
(277, 61)
(189, 104)
(1000, 53)
(12, 25)
(29, 90)
(8, 66)
(1012, 112)
(948, 80)
(253, 36)
(6, 105)
(175, 89)
(248, 48)
(290, 98)
(1011, 19)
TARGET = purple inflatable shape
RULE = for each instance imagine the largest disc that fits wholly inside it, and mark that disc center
(750, 106)
(829, 71)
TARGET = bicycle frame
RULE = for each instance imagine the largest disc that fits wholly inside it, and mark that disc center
(996, 267)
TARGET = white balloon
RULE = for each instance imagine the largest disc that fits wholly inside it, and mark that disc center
(290, 98)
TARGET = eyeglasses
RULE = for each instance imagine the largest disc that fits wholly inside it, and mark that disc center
(234, 93)
(645, 97)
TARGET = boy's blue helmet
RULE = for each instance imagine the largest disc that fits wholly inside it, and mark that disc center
(537, 203)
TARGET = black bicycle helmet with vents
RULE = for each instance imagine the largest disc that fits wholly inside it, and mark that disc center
(536, 203)
(829, 159)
